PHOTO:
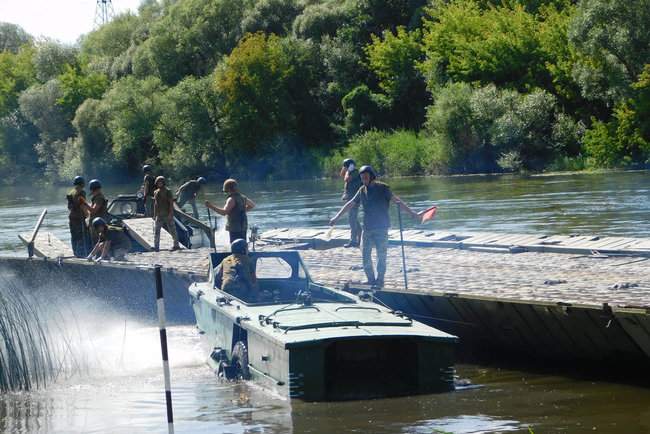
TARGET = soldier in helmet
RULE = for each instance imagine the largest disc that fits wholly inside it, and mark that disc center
(112, 242)
(187, 193)
(237, 273)
(163, 211)
(79, 236)
(352, 180)
(235, 209)
(148, 188)
(375, 198)
(98, 207)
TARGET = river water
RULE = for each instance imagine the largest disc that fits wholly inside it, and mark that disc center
(111, 381)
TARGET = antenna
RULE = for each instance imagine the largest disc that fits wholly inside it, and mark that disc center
(103, 12)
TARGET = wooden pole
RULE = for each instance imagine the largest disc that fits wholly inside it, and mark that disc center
(213, 242)
(163, 346)
(401, 238)
(30, 244)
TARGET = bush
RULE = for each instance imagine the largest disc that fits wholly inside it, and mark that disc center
(397, 153)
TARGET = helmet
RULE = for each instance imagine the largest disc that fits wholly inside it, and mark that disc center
(98, 221)
(94, 184)
(229, 185)
(238, 246)
(368, 169)
(347, 162)
(160, 178)
(201, 180)
(147, 168)
(78, 180)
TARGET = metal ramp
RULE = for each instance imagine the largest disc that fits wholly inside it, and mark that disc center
(142, 231)
(47, 245)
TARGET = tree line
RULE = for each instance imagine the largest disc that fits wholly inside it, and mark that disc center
(270, 89)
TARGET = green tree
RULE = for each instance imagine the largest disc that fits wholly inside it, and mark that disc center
(187, 132)
(365, 110)
(614, 41)
(93, 138)
(13, 37)
(51, 59)
(179, 44)
(133, 111)
(497, 45)
(271, 16)
(77, 84)
(266, 87)
(393, 58)
(16, 75)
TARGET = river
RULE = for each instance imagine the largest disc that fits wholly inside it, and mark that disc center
(112, 382)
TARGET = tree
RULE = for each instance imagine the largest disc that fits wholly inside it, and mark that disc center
(16, 75)
(133, 110)
(365, 110)
(266, 86)
(93, 138)
(13, 37)
(614, 40)
(187, 132)
(271, 16)
(77, 84)
(393, 58)
(497, 45)
(51, 59)
(179, 44)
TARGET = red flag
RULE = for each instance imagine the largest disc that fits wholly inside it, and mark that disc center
(428, 213)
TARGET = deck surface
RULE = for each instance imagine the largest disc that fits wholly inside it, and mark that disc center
(142, 231)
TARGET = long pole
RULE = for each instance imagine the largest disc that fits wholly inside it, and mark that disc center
(163, 346)
(401, 238)
(213, 242)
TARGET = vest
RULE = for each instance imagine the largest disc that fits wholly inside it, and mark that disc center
(149, 185)
(236, 220)
(375, 200)
(74, 204)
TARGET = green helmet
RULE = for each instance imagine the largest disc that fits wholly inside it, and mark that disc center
(368, 169)
(94, 184)
(238, 246)
(78, 180)
(98, 221)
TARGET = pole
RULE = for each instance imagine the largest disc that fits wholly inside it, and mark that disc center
(163, 346)
(401, 238)
(213, 242)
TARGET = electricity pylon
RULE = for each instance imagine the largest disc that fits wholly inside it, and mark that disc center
(103, 12)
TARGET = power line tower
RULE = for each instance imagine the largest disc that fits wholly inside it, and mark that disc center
(103, 12)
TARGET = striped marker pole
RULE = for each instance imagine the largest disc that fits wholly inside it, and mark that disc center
(163, 346)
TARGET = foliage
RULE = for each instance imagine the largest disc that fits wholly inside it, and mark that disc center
(77, 85)
(613, 37)
(365, 110)
(13, 37)
(186, 135)
(16, 74)
(52, 58)
(271, 16)
(395, 153)
(266, 90)
(134, 108)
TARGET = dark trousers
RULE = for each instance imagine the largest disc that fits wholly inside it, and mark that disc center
(355, 227)
(237, 235)
(79, 238)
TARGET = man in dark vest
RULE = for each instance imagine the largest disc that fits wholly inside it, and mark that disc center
(235, 209)
(187, 193)
(148, 189)
(237, 273)
(112, 242)
(79, 236)
(352, 180)
(375, 198)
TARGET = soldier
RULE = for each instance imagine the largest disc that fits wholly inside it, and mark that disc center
(237, 273)
(163, 211)
(79, 236)
(187, 193)
(148, 188)
(98, 207)
(375, 197)
(235, 209)
(350, 175)
(112, 242)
